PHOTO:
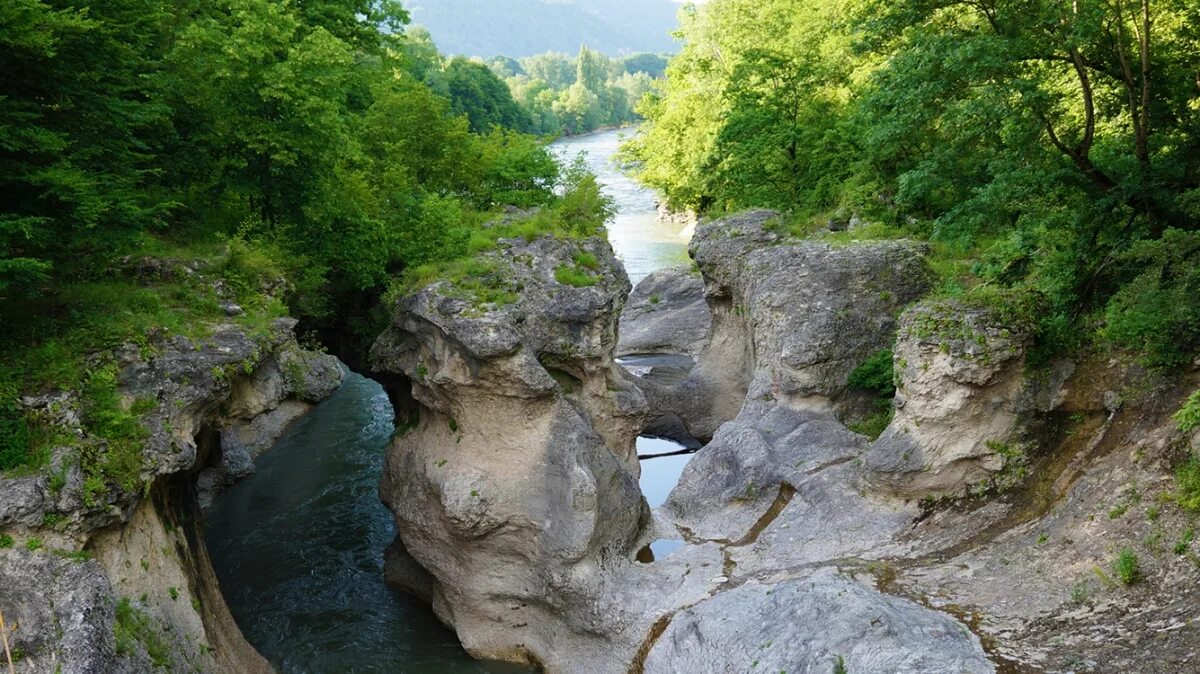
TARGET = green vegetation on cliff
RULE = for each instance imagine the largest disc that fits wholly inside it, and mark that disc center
(1041, 146)
(286, 157)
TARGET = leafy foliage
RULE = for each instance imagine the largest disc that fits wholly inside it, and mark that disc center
(1052, 146)
(135, 631)
(576, 95)
(1188, 416)
(15, 442)
(1127, 567)
(875, 374)
(574, 276)
(483, 97)
(306, 153)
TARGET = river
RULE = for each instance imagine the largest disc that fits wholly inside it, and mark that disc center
(298, 546)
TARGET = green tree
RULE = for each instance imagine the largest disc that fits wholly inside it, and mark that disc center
(79, 119)
(475, 91)
(556, 70)
(1057, 142)
(652, 65)
(579, 109)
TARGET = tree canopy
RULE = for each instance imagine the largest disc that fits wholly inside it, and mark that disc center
(304, 123)
(1055, 144)
(563, 94)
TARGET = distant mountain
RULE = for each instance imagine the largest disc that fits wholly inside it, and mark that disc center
(525, 27)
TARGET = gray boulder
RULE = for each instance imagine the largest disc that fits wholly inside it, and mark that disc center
(666, 314)
(824, 623)
(961, 372)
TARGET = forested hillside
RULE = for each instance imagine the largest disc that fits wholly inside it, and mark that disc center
(1044, 147)
(265, 143)
(571, 95)
(519, 28)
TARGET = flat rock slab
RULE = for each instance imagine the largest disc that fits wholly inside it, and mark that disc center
(666, 313)
(814, 625)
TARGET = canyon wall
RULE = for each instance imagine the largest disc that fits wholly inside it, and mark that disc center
(103, 576)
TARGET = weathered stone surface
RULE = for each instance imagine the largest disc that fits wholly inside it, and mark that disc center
(666, 314)
(814, 625)
(504, 495)
(232, 380)
(774, 484)
(961, 374)
(791, 320)
(516, 493)
(311, 376)
(519, 483)
(62, 612)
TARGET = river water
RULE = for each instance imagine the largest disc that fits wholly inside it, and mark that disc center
(298, 546)
(640, 240)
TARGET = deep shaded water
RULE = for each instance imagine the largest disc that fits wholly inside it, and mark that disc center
(298, 546)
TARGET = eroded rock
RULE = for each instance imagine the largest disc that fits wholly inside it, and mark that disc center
(150, 580)
(61, 613)
(518, 484)
(960, 373)
(824, 623)
(516, 491)
(666, 314)
(791, 319)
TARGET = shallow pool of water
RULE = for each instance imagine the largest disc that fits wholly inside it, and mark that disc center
(659, 476)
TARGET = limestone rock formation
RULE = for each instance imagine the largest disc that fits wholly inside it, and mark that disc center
(791, 320)
(43, 593)
(94, 557)
(666, 314)
(961, 371)
(518, 484)
(823, 623)
(515, 490)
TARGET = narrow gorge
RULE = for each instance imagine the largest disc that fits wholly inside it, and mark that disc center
(971, 536)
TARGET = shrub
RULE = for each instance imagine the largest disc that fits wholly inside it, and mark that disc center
(15, 446)
(1127, 568)
(33, 544)
(586, 260)
(1187, 485)
(6, 541)
(875, 374)
(583, 209)
(874, 424)
(133, 627)
(1188, 416)
(574, 276)
(120, 460)
(1157, 313)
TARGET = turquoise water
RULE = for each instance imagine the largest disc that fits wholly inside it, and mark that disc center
(298, 549)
